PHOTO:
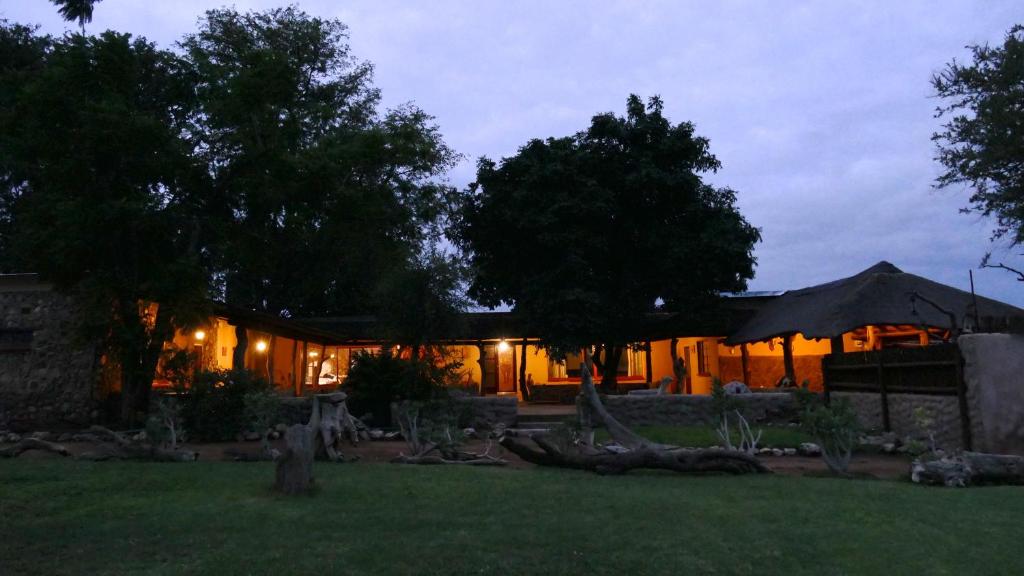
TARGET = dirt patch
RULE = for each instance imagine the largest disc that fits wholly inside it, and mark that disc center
(882, 466)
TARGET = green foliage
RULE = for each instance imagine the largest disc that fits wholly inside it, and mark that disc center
(99, 193)
(982, 142)
(722, 402)
(311, 181)
(164, 426)
(584, 234)
(836, 429)
(804, 398)
(214, 407)
(253, 165)
(76, 10)
(424, 301)
(376, 380)
(262, 409)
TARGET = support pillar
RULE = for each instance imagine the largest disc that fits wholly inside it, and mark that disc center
(787, 357)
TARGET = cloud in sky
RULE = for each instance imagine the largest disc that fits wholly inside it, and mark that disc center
(820, 112)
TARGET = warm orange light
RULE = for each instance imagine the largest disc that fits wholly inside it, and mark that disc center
(502, 346)
(314, 354)
(261, 346)
(200, 335)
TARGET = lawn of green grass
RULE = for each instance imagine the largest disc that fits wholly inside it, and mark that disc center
(702, 437)
(70, 517)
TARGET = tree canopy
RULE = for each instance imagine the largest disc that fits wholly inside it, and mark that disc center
(316, 194)
(100, 187)
(251, 165)
(982, 143)
(582, 235)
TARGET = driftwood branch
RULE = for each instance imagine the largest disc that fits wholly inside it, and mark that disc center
(969, 468)
(118, 447)
(631, 451)
(32, 444)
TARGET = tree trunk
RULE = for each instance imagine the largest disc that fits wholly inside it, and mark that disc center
(295, 468)
(522, 371)
(969, 468)
(610, 373)
(238, 354)
(139, 361)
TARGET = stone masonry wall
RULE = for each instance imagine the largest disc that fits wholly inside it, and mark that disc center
(48, 382)
(772, 408)
(943, 411)
(994, 375)
(483, 412)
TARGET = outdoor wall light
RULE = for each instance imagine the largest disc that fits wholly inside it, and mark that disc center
(200, 335)
(503, 346)
(314, 354)
(261, 346)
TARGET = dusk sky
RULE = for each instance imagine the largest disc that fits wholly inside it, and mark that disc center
(821, 113)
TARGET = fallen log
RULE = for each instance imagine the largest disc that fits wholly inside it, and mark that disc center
(969, 468)
(630, 451)
(685, 460)
(32, 444)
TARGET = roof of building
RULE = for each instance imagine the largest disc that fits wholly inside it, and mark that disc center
(881, 295)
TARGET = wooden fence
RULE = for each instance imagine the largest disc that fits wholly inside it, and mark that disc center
(931, 370)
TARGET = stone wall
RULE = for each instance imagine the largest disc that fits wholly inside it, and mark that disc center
(768, 408)
(994, 375)
(46, 374)
(942, 411)
(483, 412)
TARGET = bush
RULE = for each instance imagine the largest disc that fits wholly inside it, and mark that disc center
(835, 428)
(213, 407)
(376, 380)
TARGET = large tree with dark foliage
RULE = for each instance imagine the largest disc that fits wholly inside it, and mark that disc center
(99, 188)
(585, 235)
(319, 194)
(252, 165)
(982, 143)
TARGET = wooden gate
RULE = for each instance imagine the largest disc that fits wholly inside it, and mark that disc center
(932, 370)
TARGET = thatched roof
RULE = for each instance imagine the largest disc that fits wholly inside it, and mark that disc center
(881, 295)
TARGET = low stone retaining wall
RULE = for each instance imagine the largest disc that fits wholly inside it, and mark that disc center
(482, 412)
(771, 408)
(943, 411)
(486, 412)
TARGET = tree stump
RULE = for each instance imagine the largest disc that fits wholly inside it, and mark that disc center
(295, 468)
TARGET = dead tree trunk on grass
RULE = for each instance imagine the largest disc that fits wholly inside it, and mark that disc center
(295, 467)
(631, 451)
(32, 444)
(969, 468)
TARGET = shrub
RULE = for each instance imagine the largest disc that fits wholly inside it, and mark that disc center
(213, 407)
(835, 427)
(262, 408)
(376, 380)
